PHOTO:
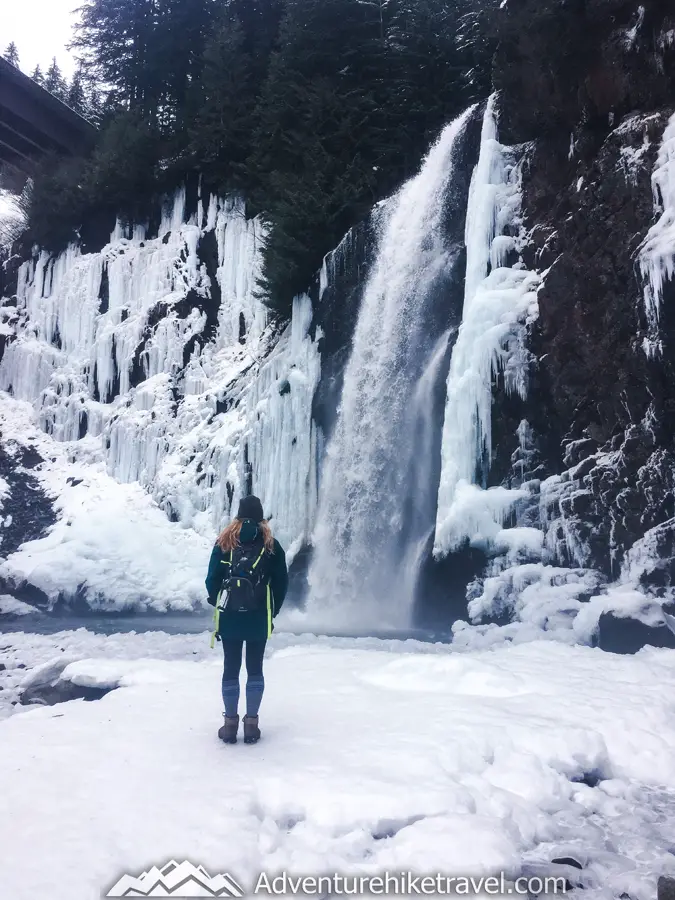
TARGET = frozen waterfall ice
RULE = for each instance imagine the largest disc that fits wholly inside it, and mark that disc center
(498, 299)
(376, 508)
(656, 258)
(156, 357)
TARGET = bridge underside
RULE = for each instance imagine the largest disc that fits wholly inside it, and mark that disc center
(34, 124)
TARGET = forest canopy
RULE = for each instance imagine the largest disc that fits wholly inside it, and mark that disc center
(312, 111)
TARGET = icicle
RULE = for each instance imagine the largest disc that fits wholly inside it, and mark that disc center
(657, 253)
(181, 416)
(239, 244)
(497, 301)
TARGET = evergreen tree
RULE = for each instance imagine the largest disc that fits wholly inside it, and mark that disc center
(183, 30)
(12, 55)
(55, 204)
(313, 109)
(37, 76)
(55, 83)
(321, 135)
(149, 52)
(93, 105)
(123, 172)
(260, 21)
(114, 38)
(355, 93)
(75, 97)
(220, 135)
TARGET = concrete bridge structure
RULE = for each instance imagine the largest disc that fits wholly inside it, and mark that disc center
(34, 123)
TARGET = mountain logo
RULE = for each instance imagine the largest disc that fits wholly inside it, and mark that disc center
(176, 880)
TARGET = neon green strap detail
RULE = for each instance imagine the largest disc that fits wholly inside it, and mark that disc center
(262, 553)
(269, 612)
(216, 622)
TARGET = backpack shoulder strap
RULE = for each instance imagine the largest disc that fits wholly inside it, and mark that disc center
(258, 558)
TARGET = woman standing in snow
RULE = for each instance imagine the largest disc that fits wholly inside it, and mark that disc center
(246, 582)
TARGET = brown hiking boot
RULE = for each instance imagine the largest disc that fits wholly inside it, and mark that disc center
(228, 730)
(251, 730)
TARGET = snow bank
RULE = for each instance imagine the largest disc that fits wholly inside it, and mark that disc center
(111, 546)
(10, 606)
(547, 597)
(498, 299)
(521, 755)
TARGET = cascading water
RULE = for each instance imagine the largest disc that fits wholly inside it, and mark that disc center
(377, 502)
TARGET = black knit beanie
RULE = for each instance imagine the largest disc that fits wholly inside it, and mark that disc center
(250, 508)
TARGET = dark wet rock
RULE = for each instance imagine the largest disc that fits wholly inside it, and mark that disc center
(11, 259)
(298, 587)
(335, 313)
(629, 635)
(591, 87)
(665, 888)
(595, 67)
(590, 779)
(60, 692)
(27, 593)
(31, 509)
(613, 499)
(652, 560)
(46, 686)
(569, 862)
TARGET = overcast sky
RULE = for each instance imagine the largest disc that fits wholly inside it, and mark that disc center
(40, 29)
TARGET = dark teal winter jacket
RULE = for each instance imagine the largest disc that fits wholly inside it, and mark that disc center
(249, 626)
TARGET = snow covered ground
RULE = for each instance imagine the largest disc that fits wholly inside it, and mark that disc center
(377, 756)
(111, 544)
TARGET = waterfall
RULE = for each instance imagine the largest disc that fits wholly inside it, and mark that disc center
(376, 500)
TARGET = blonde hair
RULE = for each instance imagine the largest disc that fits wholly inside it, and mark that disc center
(228, 539)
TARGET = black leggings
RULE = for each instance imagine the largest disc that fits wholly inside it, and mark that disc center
(255, 650)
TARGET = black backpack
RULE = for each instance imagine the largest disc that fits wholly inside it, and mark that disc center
(245, 587)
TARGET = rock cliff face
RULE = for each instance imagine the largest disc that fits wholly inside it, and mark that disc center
(592, 85)
(589, 87)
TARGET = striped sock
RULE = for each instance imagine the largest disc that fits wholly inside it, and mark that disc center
(231, 697)
(255, 685)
